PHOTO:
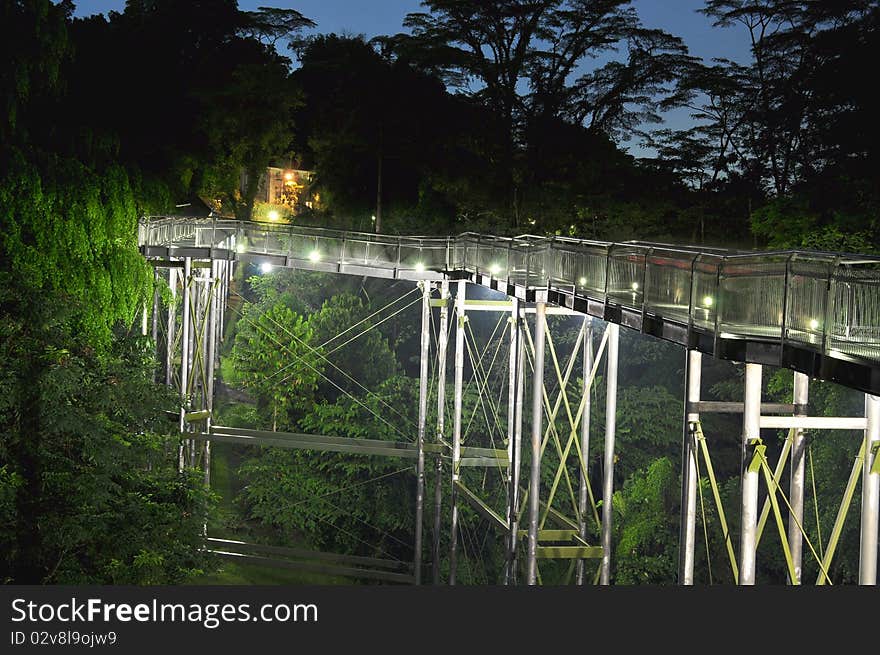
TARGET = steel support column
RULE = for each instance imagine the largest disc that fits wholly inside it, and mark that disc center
(583, 495)
(155, 320)
(610, 431)
(751, 433)
(456, 429)
(796, 485)
(171, 330)
(512, 450)
(870, 494)
(184, 355)
(423, 417)
(537, 421)
(442, 339)
(213, 335)
(689, 481)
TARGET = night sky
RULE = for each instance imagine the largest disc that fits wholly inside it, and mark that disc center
(373, 17)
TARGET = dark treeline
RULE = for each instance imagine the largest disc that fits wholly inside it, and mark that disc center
(484, 116)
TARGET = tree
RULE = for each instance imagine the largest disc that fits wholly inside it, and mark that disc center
(492, 51)
(347, 503)
(646, 526)
(272, 357)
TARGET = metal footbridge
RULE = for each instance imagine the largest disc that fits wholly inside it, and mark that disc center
(813, 312)
(817, 313)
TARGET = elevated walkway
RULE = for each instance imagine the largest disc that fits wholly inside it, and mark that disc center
(813, 312)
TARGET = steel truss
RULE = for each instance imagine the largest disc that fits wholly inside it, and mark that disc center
(561, 514)
(755, 466)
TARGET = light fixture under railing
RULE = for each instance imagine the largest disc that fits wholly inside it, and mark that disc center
(265, 267)
(315, 256)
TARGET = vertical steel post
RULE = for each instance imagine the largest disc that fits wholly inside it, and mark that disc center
(537, 421)
(796, 486)
(583, 496)
(751, 433)
(155, 320)
(512, 488)
(184, 354)
(610, 431)
(517, 440)
(456, 429)
(212, 354)
(870, 494)
(689, 481)
(170, 332)
(442, 338)
(423, 417)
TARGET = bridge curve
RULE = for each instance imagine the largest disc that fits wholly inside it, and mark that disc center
(817, 313)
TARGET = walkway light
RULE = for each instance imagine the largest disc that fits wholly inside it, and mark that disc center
(494, 269)
(708, 301)
(273, 215)
(583, 281)
(315, 256)
(265, 267)
(420, 268)
(239, 248)
(634, 286)
(814, 324)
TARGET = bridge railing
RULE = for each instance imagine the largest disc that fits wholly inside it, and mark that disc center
(826, 302)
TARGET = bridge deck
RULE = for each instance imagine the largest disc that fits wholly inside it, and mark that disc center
(817, 313)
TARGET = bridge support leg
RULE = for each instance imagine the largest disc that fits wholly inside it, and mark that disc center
(456, 430)
(171, 330)
(537, 421)
(184, 357)
(751, 435)
(214, 300)
(610, 432)
(423, 417)
(870, 494)
(796, 487)
(583, 496)
(514, 435)
(689, 481)
(442, 339)
(155, 319)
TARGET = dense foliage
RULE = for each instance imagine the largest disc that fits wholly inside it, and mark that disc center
(507, 117)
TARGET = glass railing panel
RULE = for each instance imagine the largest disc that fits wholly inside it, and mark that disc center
(668, 284)
(626, 275)
(855, 316)
(752, 296)
(806, 305)
(704, 291)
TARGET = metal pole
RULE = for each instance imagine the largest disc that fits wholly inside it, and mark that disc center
(517, 440)
(212, 353)
(172, 320)
(511, 440)
(456, 429)
(870, 494)
(610, 430)
(751, 432)
(796, 487)
(184, 354)
(423, 417)
(583, 498)
(537, 420)
(686, 541)
(155, 320)
(441, 422)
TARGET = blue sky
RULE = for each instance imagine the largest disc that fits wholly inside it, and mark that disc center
(373, 17)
